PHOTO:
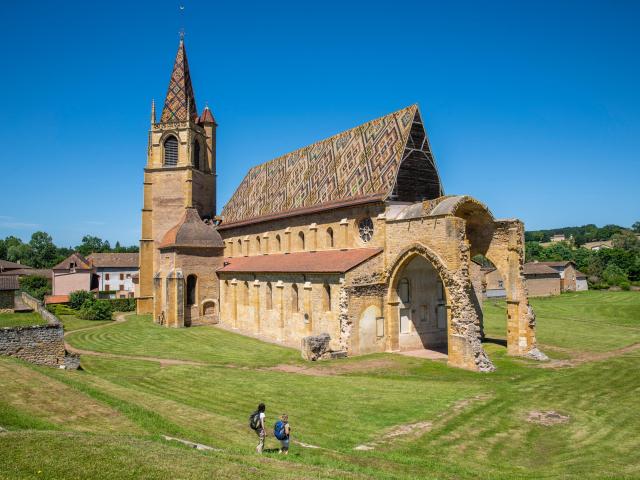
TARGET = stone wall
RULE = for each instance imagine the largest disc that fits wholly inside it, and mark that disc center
(39, 344)
(542, 286)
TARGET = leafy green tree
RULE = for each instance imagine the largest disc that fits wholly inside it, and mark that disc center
(96, 310)
(636, 227)
(3, 250)
(614, 275)
(20, 253)
(626, 240)
(43, 251)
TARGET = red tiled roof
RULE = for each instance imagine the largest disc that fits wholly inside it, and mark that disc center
(56, 299)
(539, 268)
(562, 263)
(124, 260)
(6, 265)
(327, 261)
(81, 263)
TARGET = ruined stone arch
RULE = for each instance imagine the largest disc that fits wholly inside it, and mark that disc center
(463, 325)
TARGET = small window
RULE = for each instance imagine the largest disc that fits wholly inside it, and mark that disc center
(404, 290)
(278, 244)
(121, 287)
(122, 276)
(106, 276)
(258, 245)
(301, 241)
(269, 296)
(107, 287)
(326, 297)
(171, 152)
(196, 155)
(128, 275)
(500, 284)
(295, 305)
(424, 313)
(239, 247)
(191, 289)
(329, 241)
(72, 265)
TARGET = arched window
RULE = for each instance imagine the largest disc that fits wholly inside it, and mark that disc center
(295, 305)
(227, 295)
(326, 297)
(192, 282)
(301, 241)
(258, 245)
(278, 244)
(269, 296)
(246, 293)
(329, 237)
(239, 247)
(404, 291)
(196, 155)
(171, 151)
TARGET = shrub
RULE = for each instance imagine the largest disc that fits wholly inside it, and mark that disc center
(95, 310)
(123, 304)
(58, 309)
(78, 298)
(614, 275)
(35, 285)
(625, 285)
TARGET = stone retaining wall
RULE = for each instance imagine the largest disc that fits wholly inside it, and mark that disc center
(39, 344)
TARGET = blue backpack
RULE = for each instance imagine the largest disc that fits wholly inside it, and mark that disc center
(278, 430)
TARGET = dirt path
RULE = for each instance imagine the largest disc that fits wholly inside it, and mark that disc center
(578, 358)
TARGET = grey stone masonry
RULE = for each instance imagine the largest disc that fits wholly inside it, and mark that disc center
(39, 344)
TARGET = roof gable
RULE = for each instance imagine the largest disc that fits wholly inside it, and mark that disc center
(80, 262)
(362, 161)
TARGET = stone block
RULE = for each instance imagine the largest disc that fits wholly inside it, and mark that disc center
(316, 347)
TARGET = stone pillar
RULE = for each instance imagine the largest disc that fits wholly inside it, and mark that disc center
(234, 302)
(174, 311)
(158, 313)
(280, 286)
(256, 305)
(392, 324)
(344, 233)
(308, 308)
(313, 237)
(506, 251)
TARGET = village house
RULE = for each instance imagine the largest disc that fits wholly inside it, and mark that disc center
(542, 280)
(344, 247)
(98, 272)
(571, 280)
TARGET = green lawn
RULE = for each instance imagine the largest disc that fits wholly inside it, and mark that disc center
(584, 321)
(106, 421)
(20, 319)
(71, 323)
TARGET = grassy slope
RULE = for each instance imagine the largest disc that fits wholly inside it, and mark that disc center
(20, 319)
(590, 321)
(488, 439)
(71, 322)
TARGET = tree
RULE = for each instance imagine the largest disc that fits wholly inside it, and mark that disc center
(3, 250)
(78, 298)
(43, 251)
(636, 227)
(614, 275)
(91, 244)
(35, 285)
(626, 240)
(19, 253)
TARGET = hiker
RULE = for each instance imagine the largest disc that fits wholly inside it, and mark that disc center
(256, 422)
(282, 431)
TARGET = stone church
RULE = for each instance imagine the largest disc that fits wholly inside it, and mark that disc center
(351, 240)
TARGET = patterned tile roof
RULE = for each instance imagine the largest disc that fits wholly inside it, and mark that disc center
(180, 103)
(9, 282)
(364, 160)
(324, 261)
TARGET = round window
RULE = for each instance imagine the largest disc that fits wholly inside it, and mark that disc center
(365, 227)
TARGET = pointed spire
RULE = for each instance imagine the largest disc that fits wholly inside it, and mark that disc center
(153, 111)
(180, 103)
(207, 116)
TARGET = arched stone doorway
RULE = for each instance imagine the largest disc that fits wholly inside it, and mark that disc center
(422, 315)
(456, 312)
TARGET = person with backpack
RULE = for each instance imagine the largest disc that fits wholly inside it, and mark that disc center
(282, 431)
(256, 422)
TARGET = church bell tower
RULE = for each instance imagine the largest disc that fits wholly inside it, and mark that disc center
(180, 172)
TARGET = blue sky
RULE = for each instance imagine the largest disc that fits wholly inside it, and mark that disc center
(533, 108)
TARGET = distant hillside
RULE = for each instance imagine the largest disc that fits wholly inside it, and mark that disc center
(586, 233)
